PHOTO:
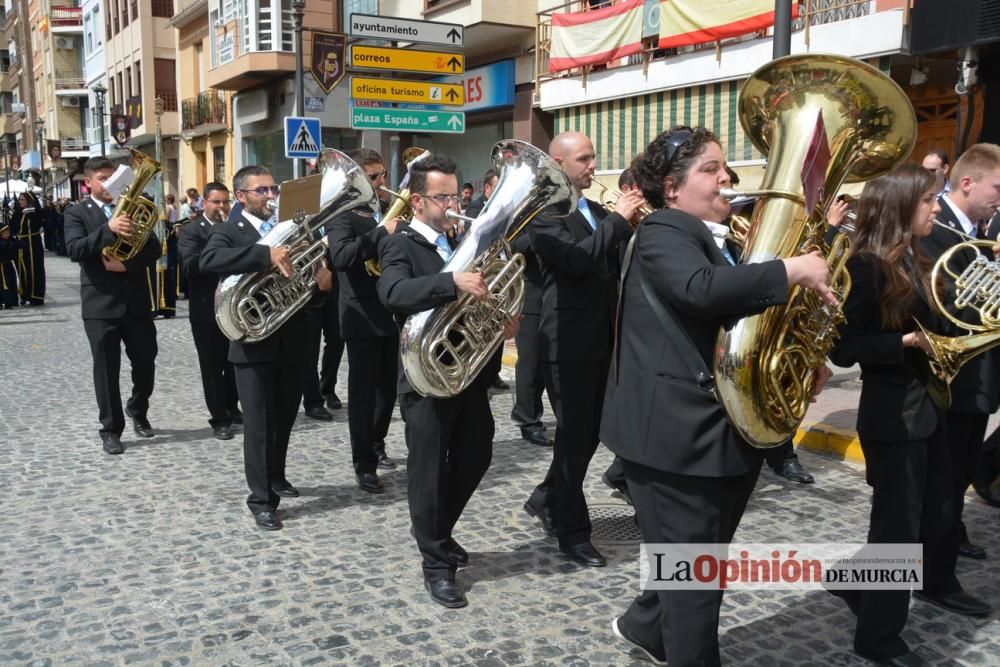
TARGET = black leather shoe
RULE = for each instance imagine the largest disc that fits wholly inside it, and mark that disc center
(112, 443)
(237, 416)
(333, 403)
(500, 385)
(908, 659)
(223, 432)
(548, 524)
(960, 603)
(971, 551)
(456, 554)
(792, 470)
(320, 413)
(536, 437)
(285, 490)
(369, 481)
(446, 593)
(620, 487)
(267, 520)
(140, 425)
(584, 554)
(657, 655)
(385, 463)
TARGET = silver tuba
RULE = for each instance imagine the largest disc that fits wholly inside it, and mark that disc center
(444, 349)
(252, 306)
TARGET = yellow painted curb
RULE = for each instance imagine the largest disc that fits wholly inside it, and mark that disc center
(825, 439)
(510, 359)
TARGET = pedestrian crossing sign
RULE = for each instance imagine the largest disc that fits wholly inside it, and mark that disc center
(302, 137)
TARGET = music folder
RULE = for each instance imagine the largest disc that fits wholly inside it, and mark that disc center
(300, 198)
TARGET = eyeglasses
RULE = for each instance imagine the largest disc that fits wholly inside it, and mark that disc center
(444, 200)
(219, 202)
(262, 190)
(377, 175)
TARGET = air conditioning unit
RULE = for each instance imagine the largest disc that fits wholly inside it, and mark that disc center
(71, 101)
(64, 43)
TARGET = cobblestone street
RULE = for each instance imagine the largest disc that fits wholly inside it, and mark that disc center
(153, 558)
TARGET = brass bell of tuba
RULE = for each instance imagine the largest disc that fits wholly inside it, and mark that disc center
(443, 350)
(765, 365)
(140, 210)
(250, 307)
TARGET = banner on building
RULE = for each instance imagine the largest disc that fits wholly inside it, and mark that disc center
(596, 36)
(54, 148)
(689, 22)
(133, 107)
(328, 51)
(121, 129)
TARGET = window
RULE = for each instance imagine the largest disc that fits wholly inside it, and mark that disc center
(4, 60)
(358, 7)
(135, 10)
(219, 160)
(165, 82)
(6, 99)
(123, 10)
(163, 9)
(138, 78)
(121, 90)
(128, 81)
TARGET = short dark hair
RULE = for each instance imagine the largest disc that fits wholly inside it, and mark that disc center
(365, 157)
(468, 186)
(97, 164)
(670, 155)
(940, 154)
(490, 175)
(190, 190)
(627, 178)
(213, 186)
(241, 177)
(419, 171)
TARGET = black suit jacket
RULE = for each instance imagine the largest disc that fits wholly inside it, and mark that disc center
(475, 206)
(232, 248)
(975, 389)
(201, 284)
(655, 413)
(579, 268)
(107, 295)
(354, 239)
(412, 282)
(533, 279)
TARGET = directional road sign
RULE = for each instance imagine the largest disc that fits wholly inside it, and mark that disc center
(302, 137)
(407, 60)
(406, 30)
(413, 92)
(406, 120)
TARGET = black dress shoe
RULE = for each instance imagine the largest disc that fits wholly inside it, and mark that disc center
(620, 487)
(112, 443)
(908, 659)
(369, 481)
(285, 490)
(140, 425)
(456, 554)
(584, 554)
(223, 432)
(267, 520)
(446, 593)
(657, 655)
(536, 437)
(385, 463)
(320, 413)
(237, 416)
(548, 524)
(792, 470)
(500, 385)
(333, 403)
(960, 603)
(971, 551)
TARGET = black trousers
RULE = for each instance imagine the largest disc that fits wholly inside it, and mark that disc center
(676, 509)
(371, 384)
(776, 456)
(106, 338)
(322, 320)
(528, 380)
(218, 379)
(270, 395)
(333, 346)
(450, 443)
(576, 390)
(911, 503)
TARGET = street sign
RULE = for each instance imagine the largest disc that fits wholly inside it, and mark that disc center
(406, 120)
(406, 30)
(407, 60)
(302, 137)
(414, 92)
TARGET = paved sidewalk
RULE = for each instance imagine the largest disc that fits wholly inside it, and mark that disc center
(152, 557)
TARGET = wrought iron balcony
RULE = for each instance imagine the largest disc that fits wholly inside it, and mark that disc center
(208, 108)
(65, 17)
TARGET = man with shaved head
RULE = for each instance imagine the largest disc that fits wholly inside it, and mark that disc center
(578, 256)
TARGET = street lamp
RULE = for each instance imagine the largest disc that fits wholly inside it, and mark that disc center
(100, 91)
(298, 12)
(40, 129)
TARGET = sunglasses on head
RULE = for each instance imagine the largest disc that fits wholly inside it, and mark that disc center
(674, 143)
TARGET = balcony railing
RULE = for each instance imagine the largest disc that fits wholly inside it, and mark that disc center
(72, 81)
(73, 141)
(65, 17)
(209, 108)
(169, 99)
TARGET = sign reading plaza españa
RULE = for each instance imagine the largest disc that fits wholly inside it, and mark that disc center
(407, 120)
(406, 30)
(407, 60)
(414, 92)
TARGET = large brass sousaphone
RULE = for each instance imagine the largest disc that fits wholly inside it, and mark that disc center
(766, 365)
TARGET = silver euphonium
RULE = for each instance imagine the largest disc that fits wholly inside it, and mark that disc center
(444, 349)
(252, 306)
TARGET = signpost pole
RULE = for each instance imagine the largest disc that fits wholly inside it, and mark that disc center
(298, 11)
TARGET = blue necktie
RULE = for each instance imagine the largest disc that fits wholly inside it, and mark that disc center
(265, 227)
(442, 243)
(727, 254)
(108, 210)
(585, 209)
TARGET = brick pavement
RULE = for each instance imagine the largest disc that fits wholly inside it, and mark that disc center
(152, 557)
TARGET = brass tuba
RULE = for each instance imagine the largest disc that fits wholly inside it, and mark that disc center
(250, 307)
(140, 210)
(443, 350)
(765, 365)
(400, 206)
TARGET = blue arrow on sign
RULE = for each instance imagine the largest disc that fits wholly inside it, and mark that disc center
(302, 137)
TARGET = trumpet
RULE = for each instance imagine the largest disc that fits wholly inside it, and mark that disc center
(609, 197)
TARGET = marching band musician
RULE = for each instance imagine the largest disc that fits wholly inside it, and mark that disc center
(450, 441)
(579, 261)
(268, 372)
(115, 300)
(28, 223)
(368, 329)
(691, 477)
(218, 379)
